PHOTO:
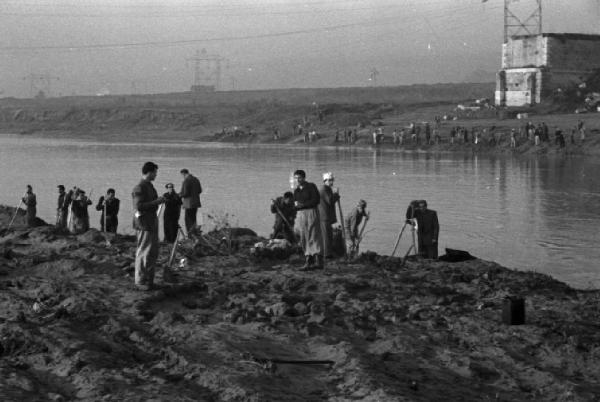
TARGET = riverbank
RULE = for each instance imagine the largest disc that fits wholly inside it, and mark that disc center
(273, 117)
(72, 326)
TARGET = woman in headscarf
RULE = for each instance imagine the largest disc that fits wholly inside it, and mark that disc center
(80, 219)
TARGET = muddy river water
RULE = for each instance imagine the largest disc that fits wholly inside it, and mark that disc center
(532, 213)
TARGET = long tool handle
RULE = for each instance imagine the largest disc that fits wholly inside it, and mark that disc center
(344, 236)
(360, 235)
(173, 249)
(105, 229)
(15, 215)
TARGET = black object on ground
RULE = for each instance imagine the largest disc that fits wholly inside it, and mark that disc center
(513, 311)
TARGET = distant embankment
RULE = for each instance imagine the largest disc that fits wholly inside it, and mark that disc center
(204, 112)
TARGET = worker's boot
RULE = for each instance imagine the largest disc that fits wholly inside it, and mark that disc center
(319, 264)
(308, 261)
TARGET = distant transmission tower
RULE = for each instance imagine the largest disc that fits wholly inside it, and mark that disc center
(40, 84)
(207, 70)
(514, 25)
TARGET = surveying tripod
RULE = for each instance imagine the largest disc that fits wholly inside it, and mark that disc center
(413, 246)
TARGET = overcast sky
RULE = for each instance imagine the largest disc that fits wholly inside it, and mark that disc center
(142, 46)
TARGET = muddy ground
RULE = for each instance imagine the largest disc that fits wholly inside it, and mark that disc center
(73, 327)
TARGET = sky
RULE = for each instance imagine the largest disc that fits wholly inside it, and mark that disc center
(83, 47)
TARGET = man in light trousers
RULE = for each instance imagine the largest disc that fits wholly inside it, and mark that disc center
(145, 221)
(308, 224)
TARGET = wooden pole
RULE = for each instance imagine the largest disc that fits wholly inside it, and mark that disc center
(360, 234)
(339, 203)
(16, 211)
(104, 216)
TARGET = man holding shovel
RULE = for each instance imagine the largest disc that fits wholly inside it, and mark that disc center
(109, 206)
(352, 223)
(328, 198)
(285, 215)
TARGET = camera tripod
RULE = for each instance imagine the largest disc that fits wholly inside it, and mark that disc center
(413, 246)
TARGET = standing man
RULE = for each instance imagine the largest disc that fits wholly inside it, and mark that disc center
(145, 221)
(109, 205)
(171, 213)
(30, 202)
(428, 231)
(190, 195)
(328, 197)
(284, 206)
(352, 222)
(306, 201)
(61, 208)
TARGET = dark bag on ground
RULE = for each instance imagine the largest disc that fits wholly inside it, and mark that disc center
(456, 256)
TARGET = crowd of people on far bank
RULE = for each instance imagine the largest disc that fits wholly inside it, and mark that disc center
(427, 134)
(306, 217)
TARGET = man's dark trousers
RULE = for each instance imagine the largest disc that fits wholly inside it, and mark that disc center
(190, 218)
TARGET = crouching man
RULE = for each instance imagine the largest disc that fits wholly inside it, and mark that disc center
(352, 222)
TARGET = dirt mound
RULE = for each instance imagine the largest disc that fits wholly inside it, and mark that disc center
(73, 327)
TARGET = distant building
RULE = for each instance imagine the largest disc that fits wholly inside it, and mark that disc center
(535, 66)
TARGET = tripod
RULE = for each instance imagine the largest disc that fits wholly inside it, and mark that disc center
(413, 246)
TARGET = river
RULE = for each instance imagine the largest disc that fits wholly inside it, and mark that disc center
(530, 213)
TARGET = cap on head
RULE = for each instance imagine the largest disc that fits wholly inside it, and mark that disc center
(423, 203)
(288, 194)
(61, 187)
(110, 191)
(327, 176)
(149, 167)
(300, 173)
(362, 203)
(169, 185)
(184, 171)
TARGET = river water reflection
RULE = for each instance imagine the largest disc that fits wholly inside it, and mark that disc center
(528, 213)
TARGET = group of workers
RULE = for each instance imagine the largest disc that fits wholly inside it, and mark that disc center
(72, 208)
(307, 216)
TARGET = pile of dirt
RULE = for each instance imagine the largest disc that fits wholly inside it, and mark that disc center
(72, 326)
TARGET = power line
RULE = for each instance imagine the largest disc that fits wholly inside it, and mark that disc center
(73, 47)
(194, 41)
(190, 15)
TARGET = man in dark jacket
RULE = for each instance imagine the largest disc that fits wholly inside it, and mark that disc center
(190, 195)
(30, 202)
(328, 198)
(428, 230)
(109, 205)
(171, 213)
(145, 221)
(306, 201)
(62, 209)
(284, 229)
